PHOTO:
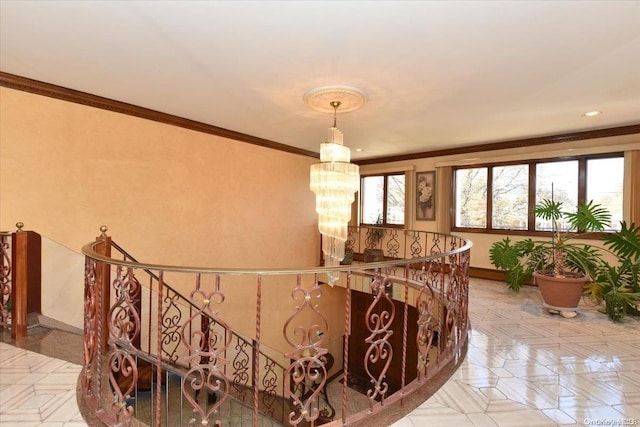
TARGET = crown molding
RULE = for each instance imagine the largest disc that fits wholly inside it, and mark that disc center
(58, 92)
(517, 143)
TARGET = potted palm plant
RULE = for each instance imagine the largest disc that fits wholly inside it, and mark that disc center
(373, 252)
(561, 266)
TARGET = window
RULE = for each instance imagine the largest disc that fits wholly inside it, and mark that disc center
(607, 192)
(471, 202)
(501, 196)
(557, 181)
(510, 191)
(383, 199)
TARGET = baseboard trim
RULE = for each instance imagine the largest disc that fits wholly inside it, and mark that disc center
(487, 273)
(56, 324)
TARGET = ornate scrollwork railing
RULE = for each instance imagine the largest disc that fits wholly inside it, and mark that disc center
(187, 324)
(5, 279)
(194, 341)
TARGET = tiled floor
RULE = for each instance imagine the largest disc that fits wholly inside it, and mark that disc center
(37, 390)
(524, 367)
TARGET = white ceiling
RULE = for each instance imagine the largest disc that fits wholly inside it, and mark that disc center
(438, 74)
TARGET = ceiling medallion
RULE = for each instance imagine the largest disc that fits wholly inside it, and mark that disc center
(350, 98)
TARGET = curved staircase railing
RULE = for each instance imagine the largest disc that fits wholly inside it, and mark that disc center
(424, 276)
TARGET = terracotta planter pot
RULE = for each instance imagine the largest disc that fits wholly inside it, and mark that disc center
(560, 293)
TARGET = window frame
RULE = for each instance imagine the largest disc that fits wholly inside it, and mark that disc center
(384, 199)
(530, 231)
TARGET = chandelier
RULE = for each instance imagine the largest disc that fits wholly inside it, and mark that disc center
(335, 181)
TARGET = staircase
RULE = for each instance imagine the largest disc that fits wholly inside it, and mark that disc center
(179, 412)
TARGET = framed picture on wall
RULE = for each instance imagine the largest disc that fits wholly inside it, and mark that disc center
(426, 196)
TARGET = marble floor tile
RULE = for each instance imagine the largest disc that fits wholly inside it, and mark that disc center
(539, 369)
(37, 390)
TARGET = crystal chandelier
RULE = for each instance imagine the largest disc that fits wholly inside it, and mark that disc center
(335, 181)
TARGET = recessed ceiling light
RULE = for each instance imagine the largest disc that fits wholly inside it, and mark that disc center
(592, 113)
(359, 149)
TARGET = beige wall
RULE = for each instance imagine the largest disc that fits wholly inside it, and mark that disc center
(62, 291)
(168, 195)
(482, 241)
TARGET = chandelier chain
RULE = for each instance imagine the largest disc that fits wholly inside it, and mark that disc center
(335, 105)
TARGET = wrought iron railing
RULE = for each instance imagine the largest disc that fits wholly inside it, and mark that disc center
(423, 274)
(5, 279)
(176, 309)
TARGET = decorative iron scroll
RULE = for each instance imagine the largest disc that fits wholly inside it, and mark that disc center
(5, 279)
(90, 343)
(307, 369)
(435, 245)
(123, 377)
(171, 325)
(241, 363)
(416, 245)
(426, 339)
(124, 333)
(378, 318)
(206, 354)
(393, 250)
(269, 386)
(463, 279)
(457, 295)
(393, 245)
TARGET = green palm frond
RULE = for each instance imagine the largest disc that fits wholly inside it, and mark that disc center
(504, 255)
(589, 217)
(548, 210)
(525, 246)
(625, 243)
(614, 285)
(508, 256)
(583, 258)
(517, 277)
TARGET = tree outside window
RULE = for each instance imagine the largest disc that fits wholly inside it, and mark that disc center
(501, 196)
(383, 199)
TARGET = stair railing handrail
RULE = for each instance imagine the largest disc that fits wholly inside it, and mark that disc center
(433, 265)
(89, 250)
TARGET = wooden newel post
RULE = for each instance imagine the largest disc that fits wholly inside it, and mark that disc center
(26, 292)
(103, 277)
